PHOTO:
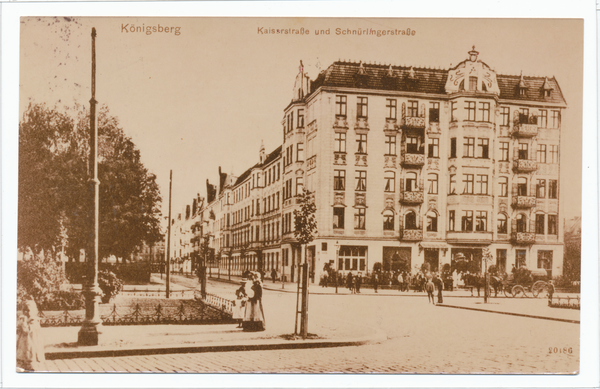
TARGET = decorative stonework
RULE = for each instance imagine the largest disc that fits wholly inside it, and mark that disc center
(389, 202)
(340, 122)
(360, 160)
(389, 161)
(413, 159)
(472, 68)
(311, 163)
(434, 128)
(523, 201)
(415, 197)
(417, 122)
(433, 163)
(339, 198)
(339, 158)
(525, 165)
(521, 130)
(504, 167)
(360, 199)
(390, 125)
(361, 125)
(412, 235)
(523, 237)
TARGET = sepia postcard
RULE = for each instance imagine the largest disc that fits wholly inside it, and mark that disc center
(389, 197)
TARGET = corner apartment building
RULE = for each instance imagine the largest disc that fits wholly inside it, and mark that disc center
(411, 165)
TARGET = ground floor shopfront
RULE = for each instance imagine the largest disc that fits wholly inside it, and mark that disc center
(362, 256)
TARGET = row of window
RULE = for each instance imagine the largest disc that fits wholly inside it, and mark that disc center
(289, 121)
(288, 157)
(470, 221)
(270, 203)
(472, 147)
(473, 112)
(245, 236)
(472, 184)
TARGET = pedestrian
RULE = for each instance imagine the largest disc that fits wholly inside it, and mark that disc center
(350, 282)
(439, 284)
(254, 318)
(429, 289)
(273, 275)
(400, 282)
(550, 291)
(375, 281)
(30, 350)
(239, 304)
(358, 282)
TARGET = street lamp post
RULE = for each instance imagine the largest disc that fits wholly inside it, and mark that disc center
(92, 324)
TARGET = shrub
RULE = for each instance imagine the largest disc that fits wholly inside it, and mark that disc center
(39, 277)
(110, 285)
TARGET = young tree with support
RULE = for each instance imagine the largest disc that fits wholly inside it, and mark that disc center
(305, 228)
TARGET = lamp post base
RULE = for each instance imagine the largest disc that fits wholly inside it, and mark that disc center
(92, 324)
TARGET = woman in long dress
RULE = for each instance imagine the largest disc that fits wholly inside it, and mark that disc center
(254, 319)
(30, 350)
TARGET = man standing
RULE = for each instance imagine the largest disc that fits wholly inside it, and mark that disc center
(358, 282)
(439, 284)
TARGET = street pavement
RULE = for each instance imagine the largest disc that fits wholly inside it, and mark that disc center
(419, 337)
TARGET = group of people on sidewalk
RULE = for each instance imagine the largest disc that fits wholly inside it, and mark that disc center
(434, 282)
(247, 306)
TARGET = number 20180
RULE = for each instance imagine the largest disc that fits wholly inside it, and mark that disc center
(558, 350)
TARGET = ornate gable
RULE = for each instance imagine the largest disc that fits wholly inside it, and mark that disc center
(459, 77)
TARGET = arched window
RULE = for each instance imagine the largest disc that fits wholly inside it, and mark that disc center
(502, 223)
(411, 182)
(390, 181)
(521, 223)
(388, 220)
(522, 186)
(410, 221)
(432, 219)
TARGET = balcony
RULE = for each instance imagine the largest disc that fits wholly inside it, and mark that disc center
(524, 165)
(525, 130)
(416, 122)
(415, 197)
(523, 201)
(409, 159)
(522, 238)
(411, 235)
(339, 158)
(311, 163)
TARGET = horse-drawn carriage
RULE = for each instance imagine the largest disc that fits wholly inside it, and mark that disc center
(523, 281)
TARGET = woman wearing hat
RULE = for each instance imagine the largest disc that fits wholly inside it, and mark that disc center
(254, 318)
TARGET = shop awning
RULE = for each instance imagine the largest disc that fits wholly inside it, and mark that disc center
(433, 245)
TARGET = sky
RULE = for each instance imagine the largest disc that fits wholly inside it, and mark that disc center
(209, 91)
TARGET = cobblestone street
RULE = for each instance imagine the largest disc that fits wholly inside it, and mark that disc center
(420, 338)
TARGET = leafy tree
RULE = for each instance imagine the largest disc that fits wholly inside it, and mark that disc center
(305, 222)
(55, 196)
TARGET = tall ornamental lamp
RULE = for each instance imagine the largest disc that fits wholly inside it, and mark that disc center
(92, 323)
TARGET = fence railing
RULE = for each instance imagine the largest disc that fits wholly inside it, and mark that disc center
(190, 313)
(217, 302)
(565, 302)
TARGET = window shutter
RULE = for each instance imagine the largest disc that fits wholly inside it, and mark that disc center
(516, 152)
(515, 189)
(421, 186)
(401, 184)
(513, 225)
(532, 223)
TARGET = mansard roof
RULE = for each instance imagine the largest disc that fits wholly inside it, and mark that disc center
(359, 75)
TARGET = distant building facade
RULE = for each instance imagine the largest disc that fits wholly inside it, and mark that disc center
(408, 166)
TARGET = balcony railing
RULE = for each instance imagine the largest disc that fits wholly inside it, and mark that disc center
(414, 197)
(523, 201)
(411, 235)
(525, 130)
(524, 165)
(417, 122)
(523, 237)
(413, 159)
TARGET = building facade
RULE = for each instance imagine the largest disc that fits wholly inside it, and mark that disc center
(407, 166)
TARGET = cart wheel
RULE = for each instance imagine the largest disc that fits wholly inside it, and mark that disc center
(538, 287)
(506, 291)
(518, 291)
